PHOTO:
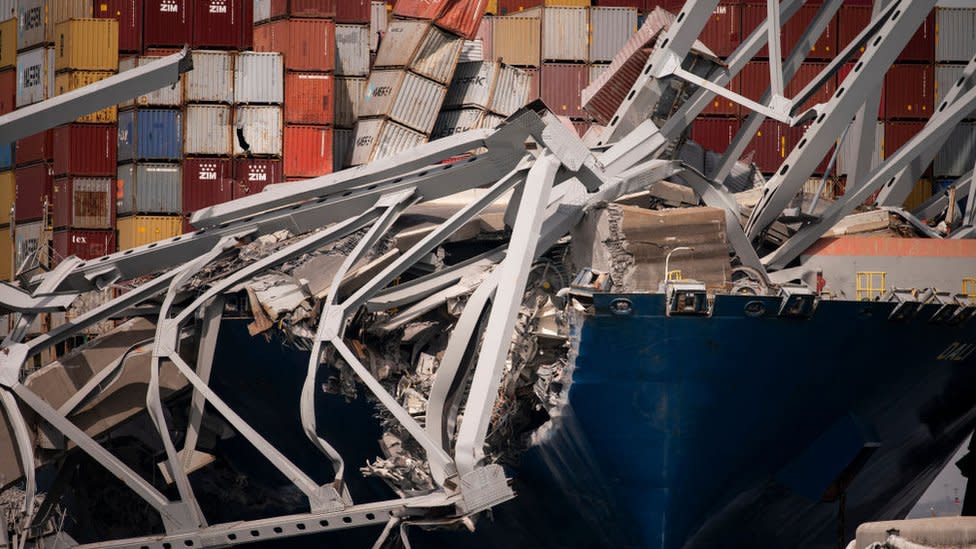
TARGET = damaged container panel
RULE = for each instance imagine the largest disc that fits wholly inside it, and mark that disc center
(352, 50)
(381, 138)
(212, 78)
(169, 96)
(309, 96)
(140, 230)
(378, 18)
(259, 78)
(420, 47)
(149, 188)
(260, 128)
(83, 243)
(85, 149)
(150, 134)
(512, 92)
(252, 175)
(206, 182)
(463, 18)
(84, 203)
(404, 97)
(308, 151)
(209, 131)
(454, 122)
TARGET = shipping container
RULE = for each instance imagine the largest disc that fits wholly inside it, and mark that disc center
(309, 98)
(723, 32)
(909, 91)
(847, 149)
(852, 20)
(824, 48)
(349, 94)
(87, 45)
(31, 21)
(462, 17)
(306, 44)
(610, 28)
(947, 77)
(342, 149)
(517, 40)
(150, 134)
(506, 7)
(208, 130)
(957, 155)
(603, 97)
(305, 8)
(8, 190)
(401, 40)
(719, 105)
(206, 182)
(8, 90)
(471, 51)
(8, 43)
(846, 69)
(378, 18)
(565, 34)
(83, 243)
(562, 86)
(380, 138)
(36, 148)
(352, 11)
(85, 150)
(421, 47)
(6, 254)
(33, 190)
(472, 85)
(770, 146)
(149, 188)
(168, 23)
(534, 84)
(259, 78)
(212, 78)
(308, 151)
(170, 96)
(419, 9)
(72, 80)
(8, 9)
(512, 91)
(140, 230)
(955, 34)
(454, 122)
(804, 75)
(59, 11)
(30, 246)
(714, 134)
(897, 134)
(35, 76)
(921, 47)
(218, 23)
(7, 156)
(129, 15)
(352, 50)
(252, 175)
(404, 97)
(258, 127)
(486, 35)
(84, 202)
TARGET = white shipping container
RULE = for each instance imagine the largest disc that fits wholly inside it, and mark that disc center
(946, 77)
(170, 96)
(377, 23)
(28, 248)
(8, 9)
(421, 47)
(955, 34)
(342, 149)
(956, 156)
(565, 34)
(610, 29)
(212, 77)
(400, 43)
(511, 91)
(596, 71)
(472, 51)
(454, 122)
(262, 10)
(31, 21)
(352, 50)
(259, 78)
(382, 138)
(842, 166)
(35, 76)
(261, 127)
(349, 92)
(207, 130)
(409, 99)
(472, 85)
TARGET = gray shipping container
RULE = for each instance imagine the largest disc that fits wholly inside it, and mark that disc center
(406, 98)
(150, 188)
(342, 149)
(565, 34)
(381, 138)
(207, 130)
(847, 149)
(35, 76)
(262, 10)
(259, 78)
(262, 128)
(610, 29)
(400, 43)
(352, 50)
(31, 20)
(956, 157)
(511, 91)
(212, 78)
(955, 38)
(377, 23)
(349, 92)
(472, 51)
(596, 71)
(946, 77)
(472, 85)
(170, 96)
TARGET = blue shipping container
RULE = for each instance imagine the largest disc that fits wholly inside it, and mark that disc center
(7, 156)
(150, 134)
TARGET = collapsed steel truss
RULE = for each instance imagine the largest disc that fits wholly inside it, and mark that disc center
(553, 179)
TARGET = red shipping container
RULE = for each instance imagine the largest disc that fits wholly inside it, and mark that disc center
(91, 207)
(805, 75)
(846, 69)
(897, 134)
(304, 8)
(308, 151)
(770, 146)
(603, 104)
(129, 15)
(921, 47)
(253, 175)
(305, 44)
(206, 182)
(35, 148)
(352, 11)
(217, 24)
(463, 17)
(722, 106)
(909, 91)
(309, 98)
(247, 26)
(714, 134)
(83, 243)
(8, 90)
(85, 149)
(824, 48)
(428, 9)
(723, 32)
(853, 20)
(33, 186)
(562, 86)
(167, 23)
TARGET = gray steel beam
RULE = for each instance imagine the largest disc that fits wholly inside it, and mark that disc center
(50, 284)
(213, 313)
(937, 203)
(15, 300)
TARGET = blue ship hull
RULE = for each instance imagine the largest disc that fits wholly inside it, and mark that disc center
(723, 431)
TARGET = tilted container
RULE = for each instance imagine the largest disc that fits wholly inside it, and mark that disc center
(454, 122)
(420, 47)
(381, 138)
(463, 18)
(404, 97)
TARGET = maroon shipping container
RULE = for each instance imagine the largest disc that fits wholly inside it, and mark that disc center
(247, 25)
(308, 151)
(167, 23)
(83, 243)
(909, 91)
(305, 8)
(921, 47)
(723, 32)
(84, 203)
(33, 187)
(85, 149)
(129, 15)
(562, 86)
(308, 98)
(805, 75)
(853, 20)
(253, 175)
(846, 69)
(722, 106)
(824, 48)
(206, 182)
(35, 148)
(352, 11)
(217, 23)
(897, 134)
(603, 104)
(8, 91)
(770, 146)
(714, 134)
(305, 44)
(463, 17)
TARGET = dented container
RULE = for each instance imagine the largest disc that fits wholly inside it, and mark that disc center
(150, 134)
(260, 127)
(168, 23)
(342, 149)
(565, 34)
(562, 85)
(36, 148)
(259, 78)
(209, 130)
(381, 138)
(352, 11)
(84, 203)
(83, 243)
(33, 190)
(206, 182)
(471, 51)
(212, 78)
(512, 91)
(8, 90)
(31, 22)
(956, 156)
(352, 50)
(35, 76)
(306, 44)
(252, 175)
(909, 91)
(610, 28)
(85, 150)
(72, 80)
(218, 23)
(87, 45)
(517, 40)
(489, 86)
(404, 97)
(149, 188)
(419, 9)
(8, 43)
(309, 98)
(129, 15)
(349, 94)
(308, 151)
(463, 18)
(170, 96)
(8, 190)
(140, 230)
(422, 48)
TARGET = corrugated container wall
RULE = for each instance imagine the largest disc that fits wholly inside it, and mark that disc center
(714, 134)
(352, 50)
(610, 28)
(454, 122)
(847, 149)
(955, 34)
(84, 203)
(83, 243)
(404, 97)
(253, 174)
(517, 40)
(85, 149)
(909, 91)
(207, 182)
(770, 145)
(7, 156)
(59, 11)
(824, 48)
(35, 76)
(258, 78)
(150, 134)
(349, 94)
(463, 17)
(170, 96)
(956, 157)
(129, 15)
(342, 149)
(8, 9)
(472, 85)
(305, 8)
(352, 11)
(419, 9)
(380, 138)
(486, 34)
(562, 85)
(946, 77)
(72, 80)
(261, 127)
(262, 11)
(471, 51)
(8, 191)
(31, 19)
(921, 47)
(8, 43)
(377, 23)
(169, 23)
(8, 90)
(219, 23)
(419, 46)
(565, 34)
(208, 130)
(35, 148)
(851, 21)
(306, 44)
(149, 188)
(33, 186)
(212, 78)
(308, 98)
(506, 7)
(512, 92)
(308, 151)
(87, 45)
(140, 230)
(723, 32)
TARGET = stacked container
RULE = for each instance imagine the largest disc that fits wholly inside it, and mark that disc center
(8, 102)
(354, 42)
(481, 95)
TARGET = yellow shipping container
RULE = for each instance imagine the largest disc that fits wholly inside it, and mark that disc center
(139, 230)
(6, 196)
(87, 45)
(921, 193)
(71, 80)
(59, 11)
(517, 40)
(492, 7)
(8, 43)
(6, 255)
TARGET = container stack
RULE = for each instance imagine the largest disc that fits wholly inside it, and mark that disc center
(8, 101)
(481, 95)
(955, 44)
(355, 23)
